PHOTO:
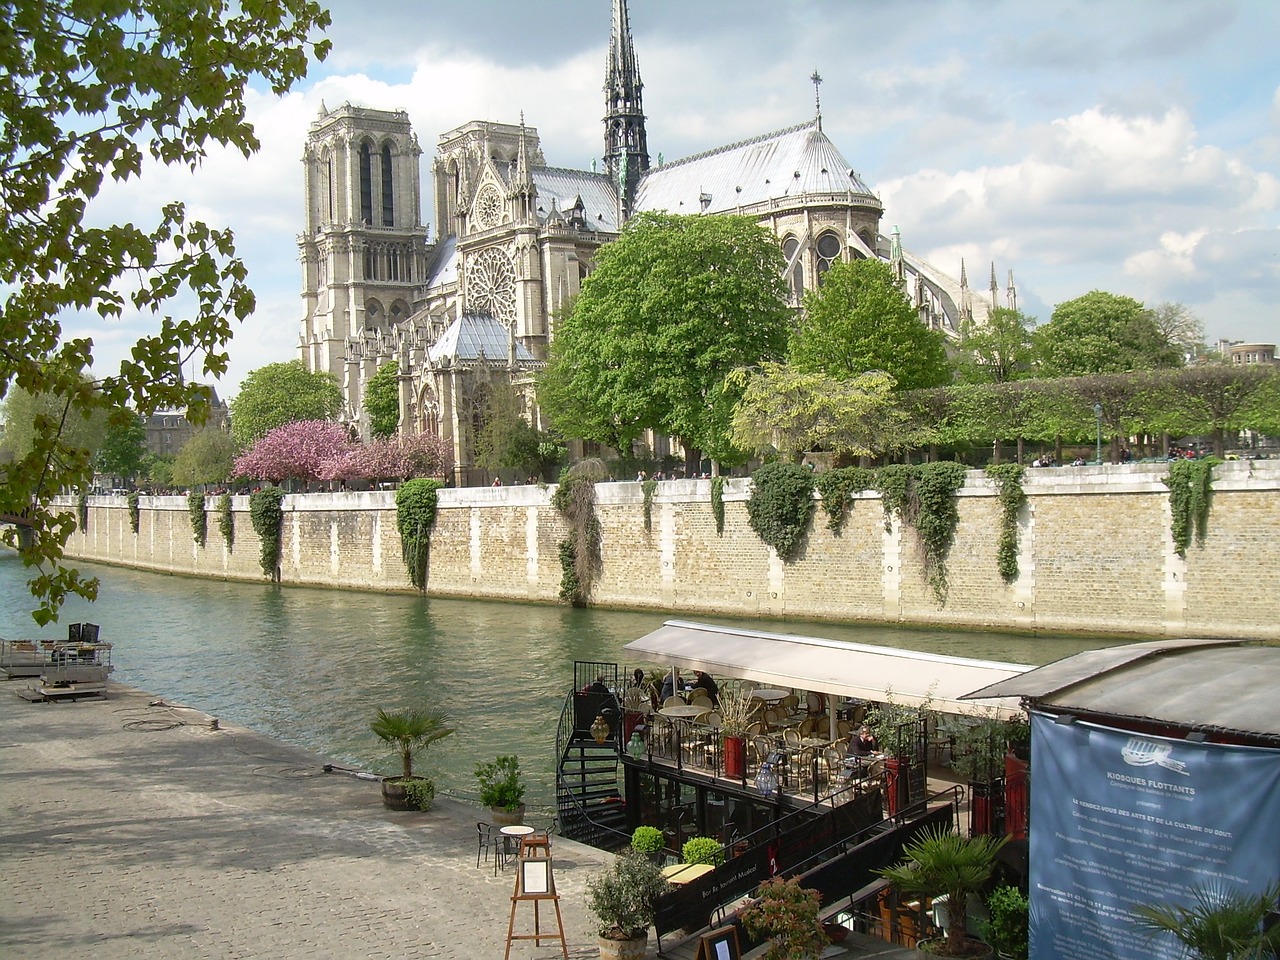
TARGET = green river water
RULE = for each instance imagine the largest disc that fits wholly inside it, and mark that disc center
(310, 666)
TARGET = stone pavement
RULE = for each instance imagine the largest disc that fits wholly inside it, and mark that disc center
(135, 830)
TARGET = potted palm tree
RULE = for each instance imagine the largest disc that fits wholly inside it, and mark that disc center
(502, 790)
(942, 862)
(623, 901)
(735, 716)
(1220, 923)
(408, 732)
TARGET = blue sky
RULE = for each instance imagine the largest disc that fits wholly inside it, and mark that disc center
(1130, 147)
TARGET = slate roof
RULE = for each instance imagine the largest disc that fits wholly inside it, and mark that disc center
(563, 186)
(794, 162)
(476, 336)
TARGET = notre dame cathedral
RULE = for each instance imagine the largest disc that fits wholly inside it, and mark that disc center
(515, 238)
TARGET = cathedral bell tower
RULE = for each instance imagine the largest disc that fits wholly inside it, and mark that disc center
(626, 148)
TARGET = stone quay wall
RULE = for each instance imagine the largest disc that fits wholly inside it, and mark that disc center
(1095, 553)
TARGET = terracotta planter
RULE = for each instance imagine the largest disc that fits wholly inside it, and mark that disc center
(624, 949)
(502, 817)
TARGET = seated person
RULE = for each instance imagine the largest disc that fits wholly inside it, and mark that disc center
(670, 683)
(864, 743)
(704, 681)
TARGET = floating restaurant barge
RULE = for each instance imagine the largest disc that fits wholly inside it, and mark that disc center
(60, 670)
(776, 785)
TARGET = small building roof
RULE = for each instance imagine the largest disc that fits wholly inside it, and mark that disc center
(791, 163)
(559, 189)
(473, 337)
(856, 670)
(1223, 686)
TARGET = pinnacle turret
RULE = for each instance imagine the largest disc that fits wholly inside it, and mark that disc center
(626, 148)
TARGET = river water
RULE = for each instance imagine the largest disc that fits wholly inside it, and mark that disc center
(311, 666)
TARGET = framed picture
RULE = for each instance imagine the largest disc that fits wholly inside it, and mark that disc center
(535, 878)
(719, 944)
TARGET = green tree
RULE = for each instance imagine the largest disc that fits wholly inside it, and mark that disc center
(124, 447)
(998, 351)
(860, 320)
(790, 412)
(90, 91)
(1102, 333)
(382, 400)
(674, 305)
(281, 393)
(30, 417)
(1179, 327)
(506, 441)
(205, 458)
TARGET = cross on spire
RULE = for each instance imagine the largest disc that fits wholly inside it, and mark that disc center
(816, 79)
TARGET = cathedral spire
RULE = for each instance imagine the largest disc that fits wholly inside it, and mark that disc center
(816, 80)
(626, 148)
(995, 287)
(1011, 293)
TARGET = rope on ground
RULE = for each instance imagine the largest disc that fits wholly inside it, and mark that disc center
(168, 718)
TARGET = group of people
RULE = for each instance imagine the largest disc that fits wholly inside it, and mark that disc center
(671, 683)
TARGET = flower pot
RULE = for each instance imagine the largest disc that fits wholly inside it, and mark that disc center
(503, 817)
(634, 949)
(735, 757)
(393, 793)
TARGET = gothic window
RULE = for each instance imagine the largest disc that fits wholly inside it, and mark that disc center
(828, 253)
(388, 206)
(366, 184)
(795, 276)
(369, 264)
(488, 207)
(491, 284)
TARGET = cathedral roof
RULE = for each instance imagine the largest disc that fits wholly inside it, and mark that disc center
(477, 337)
(789, 163)
(564, 187)
(444, 267)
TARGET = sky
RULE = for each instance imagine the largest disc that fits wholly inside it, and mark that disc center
(1085, 145)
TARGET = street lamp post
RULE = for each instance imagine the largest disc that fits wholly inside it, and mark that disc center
(1097, 415)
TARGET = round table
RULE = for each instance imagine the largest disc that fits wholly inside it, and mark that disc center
(686, 712)
(511, 834)
(769, 695)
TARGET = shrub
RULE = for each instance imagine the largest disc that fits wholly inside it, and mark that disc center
(416, 504)
(1006, 931)
(623, 898)
(837, 487)
(267, 516)
(421, 793)
(226, 524)
(788, 915)
(780, 505)
(648, 840)
(501, 785)
(199, 519)
(702, 850)
(1008, 480)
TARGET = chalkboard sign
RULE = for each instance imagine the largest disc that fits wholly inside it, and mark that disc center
(721, 944)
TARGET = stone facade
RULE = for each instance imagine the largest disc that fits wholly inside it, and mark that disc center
(1095, 553)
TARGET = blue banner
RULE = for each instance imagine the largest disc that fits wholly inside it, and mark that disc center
(1120, 819)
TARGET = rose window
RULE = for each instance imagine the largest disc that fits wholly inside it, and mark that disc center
(491, 284)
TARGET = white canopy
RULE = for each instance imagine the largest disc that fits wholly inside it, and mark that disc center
(856, 670)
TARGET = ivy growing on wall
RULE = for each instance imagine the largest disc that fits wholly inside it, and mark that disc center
(780, 505)
(135, 510)
(575, 499)
(837, 488)
(717, 503)
(226, 525)
(648, 486)
(82, 512)
(1190, 484)
(1008, 480)
(199, 519)
(416, 503)
(267, 516)
(923, 496)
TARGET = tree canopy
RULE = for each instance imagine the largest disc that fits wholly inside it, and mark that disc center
(675, 304)
(998, 351)
(382, 400)
(124, 446)
(281, 393)
(207, 457)
(1102, 333)
(860, 320)
(90, 92)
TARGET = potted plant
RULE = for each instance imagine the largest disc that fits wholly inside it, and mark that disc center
(941, 862)
(623, 901)
(1006, 930)
(788, 915)
(502, 789)
(407, 732)
(1220, 923)
(702, 850)
(896, 728)
(650, 842)
(735, 716)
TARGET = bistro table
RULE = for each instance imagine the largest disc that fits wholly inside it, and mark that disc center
(685, 872)
(511, 834)
(684, 712)
(769, 694)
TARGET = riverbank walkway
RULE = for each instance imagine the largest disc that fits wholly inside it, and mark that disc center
(133, 829)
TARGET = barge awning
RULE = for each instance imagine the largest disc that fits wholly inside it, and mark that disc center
(857, 670)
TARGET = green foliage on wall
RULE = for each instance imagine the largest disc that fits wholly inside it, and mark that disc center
(780, 505)
(416, 502)
(1190, 484)
(267, 516)
(648, 486)
(135, 510)
(1008, 480)
(199, 519)
(226, 524)
(923, 496)
(717, 503)
(838, 487)
(82, 512)
(575, 499)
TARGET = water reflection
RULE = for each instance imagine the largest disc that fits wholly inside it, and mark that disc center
(311, 666)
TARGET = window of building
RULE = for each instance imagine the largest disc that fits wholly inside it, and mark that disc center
(366, 184)
(828, 253)
(388, 205)
(795, 276)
